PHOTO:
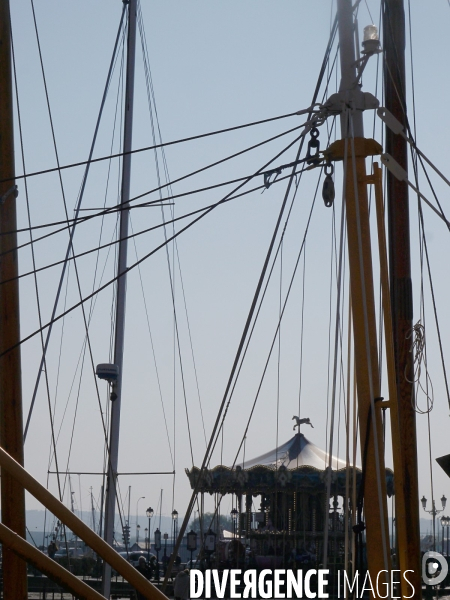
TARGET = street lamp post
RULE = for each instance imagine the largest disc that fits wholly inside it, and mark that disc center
(174, 528)
(434, 512)
(149, 513)
(137, 518)
(146, 538)
(157, 548)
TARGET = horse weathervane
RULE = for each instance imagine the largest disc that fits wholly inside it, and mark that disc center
(299, 422)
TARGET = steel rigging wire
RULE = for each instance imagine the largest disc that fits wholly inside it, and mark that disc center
(131, 267)
(114, 242)
(116, 208)
(69, 247)
(162, 145)
(249, 318)
(155, 120)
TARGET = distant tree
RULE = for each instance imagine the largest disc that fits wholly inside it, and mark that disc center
(224, 522)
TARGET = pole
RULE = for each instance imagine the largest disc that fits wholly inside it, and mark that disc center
(448, 525)
(66, 518)
(354, 149)
(110, 503)
(11, 424)
(148, 550)
(129, 502)
(401, 286)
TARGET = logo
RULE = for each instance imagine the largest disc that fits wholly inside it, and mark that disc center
(434, 568)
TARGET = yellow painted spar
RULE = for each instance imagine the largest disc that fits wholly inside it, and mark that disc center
(95, 542)
(46, 565)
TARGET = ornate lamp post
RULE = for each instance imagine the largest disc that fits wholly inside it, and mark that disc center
(434, 512)
(149, 513)
(191, 542)
(157, 548)
(146, 538)
(174, 528)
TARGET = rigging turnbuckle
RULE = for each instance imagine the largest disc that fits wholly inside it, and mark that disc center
(312, 158)
(313, 152)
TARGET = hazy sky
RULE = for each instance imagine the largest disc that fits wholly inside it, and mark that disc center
(214, 65)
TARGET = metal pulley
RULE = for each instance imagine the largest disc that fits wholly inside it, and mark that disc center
(312, 155)
(328, 186)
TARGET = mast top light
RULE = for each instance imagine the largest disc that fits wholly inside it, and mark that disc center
(371, 41)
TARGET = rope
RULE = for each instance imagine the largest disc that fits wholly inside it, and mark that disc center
(153, 354)
(336, 340)
(252, 309)
(150, 92)
(145, 204)
(72, 231)
(142, 232)
(157, 146)
(131, 267)
(417, 349)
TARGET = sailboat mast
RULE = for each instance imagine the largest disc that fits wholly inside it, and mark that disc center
(353, 149)
(401, 285)
(110, 503)
(11, 423)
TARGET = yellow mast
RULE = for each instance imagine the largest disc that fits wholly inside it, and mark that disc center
(353, 149)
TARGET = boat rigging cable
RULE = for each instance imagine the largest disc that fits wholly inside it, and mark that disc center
(261, 303)
(419, 156)
(70, 248)
(413, 145)
(171, 268)
(87, 343)
(131, 267)
(249, 317)
(162, 145)
(220, 430)
(116, 208)
(274, 339)
(72, 231)
(114, 242)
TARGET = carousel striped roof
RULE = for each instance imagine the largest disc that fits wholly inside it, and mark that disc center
(296, 452)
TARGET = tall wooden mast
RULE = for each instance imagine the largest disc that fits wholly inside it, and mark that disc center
(353, 149)
(11, 425)
(400, 276)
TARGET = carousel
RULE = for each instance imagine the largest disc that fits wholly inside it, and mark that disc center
(279, 504)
